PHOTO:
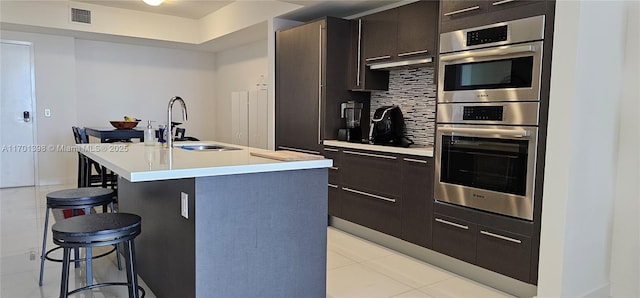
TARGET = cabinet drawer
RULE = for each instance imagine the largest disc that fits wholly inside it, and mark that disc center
(505, 253)
(372, 211)
(455, 238)
(373, 172)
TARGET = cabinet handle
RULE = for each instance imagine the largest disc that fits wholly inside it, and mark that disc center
(501, 2)
(359, 47)
(320, 88)
(369, 154)
(332, 185)
(369, 195)
(334, 168)
(377, 58)
(298, 150)
(472, 8)
(413, 53)
(416, 160)
(446, 222)
(331, 149)
(501, 237)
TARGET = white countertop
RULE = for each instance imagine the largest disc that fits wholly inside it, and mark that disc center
(419, 151)
(137, 162)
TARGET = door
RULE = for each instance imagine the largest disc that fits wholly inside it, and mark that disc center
(17, 157)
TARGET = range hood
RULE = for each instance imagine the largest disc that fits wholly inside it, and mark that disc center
(401, 63)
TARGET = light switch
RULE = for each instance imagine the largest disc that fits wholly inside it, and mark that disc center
(47, 112)
(184, 205)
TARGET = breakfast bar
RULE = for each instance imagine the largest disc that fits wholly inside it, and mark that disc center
(223, 222)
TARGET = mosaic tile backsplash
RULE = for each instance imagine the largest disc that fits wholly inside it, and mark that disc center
(414, 91)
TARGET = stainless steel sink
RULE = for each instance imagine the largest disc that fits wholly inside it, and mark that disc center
(207, 147)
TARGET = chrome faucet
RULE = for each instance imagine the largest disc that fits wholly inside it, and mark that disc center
(184, 118)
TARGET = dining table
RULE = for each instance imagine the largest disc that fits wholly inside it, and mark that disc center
(110, 134)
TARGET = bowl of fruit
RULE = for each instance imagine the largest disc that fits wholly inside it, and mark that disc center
(128, 123)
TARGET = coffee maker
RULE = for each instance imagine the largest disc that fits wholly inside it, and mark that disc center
(351, 112)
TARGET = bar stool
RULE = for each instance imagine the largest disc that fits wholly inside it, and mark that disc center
(76, 199)
(95, 230)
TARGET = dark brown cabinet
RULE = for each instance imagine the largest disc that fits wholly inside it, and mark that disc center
(401, 33)
(461, 14)
(417, 199)
(495, 249)
(454, 237)
(361, 77)
(334, 199)
(417, 29)
(371, 190)
(503, 252)
(311, 82)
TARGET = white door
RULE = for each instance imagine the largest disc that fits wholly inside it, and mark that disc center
(17, 155)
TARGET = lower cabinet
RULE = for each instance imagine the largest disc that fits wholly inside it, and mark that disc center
(370, 210)
(386, 192)
(417, 199)
(503, 252)
(499, 251)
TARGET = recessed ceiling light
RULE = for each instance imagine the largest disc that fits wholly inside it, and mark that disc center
(153, 2)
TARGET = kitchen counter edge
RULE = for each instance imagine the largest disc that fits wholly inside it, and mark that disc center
(417, 151)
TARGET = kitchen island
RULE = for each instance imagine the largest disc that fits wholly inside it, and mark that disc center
(223, 223)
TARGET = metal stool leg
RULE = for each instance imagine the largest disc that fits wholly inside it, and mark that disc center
(64, 283)
(89, 266)
(44, 246)
(132, 276)
(113, 210)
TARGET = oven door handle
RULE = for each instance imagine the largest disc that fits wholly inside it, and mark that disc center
(518, 133)
(500, 51)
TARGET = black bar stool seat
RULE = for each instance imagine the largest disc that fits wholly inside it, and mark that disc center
(76, 199)
(99, 229)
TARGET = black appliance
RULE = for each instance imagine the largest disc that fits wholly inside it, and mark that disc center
(387, 127)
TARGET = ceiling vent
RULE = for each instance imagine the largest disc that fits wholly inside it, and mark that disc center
(80, 15)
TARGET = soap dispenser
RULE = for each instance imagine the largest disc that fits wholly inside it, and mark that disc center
(149, 135)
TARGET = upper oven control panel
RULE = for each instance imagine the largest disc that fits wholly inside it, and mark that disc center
(504, 33)
(488, 35)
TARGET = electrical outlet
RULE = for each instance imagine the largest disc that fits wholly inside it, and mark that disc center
(184, 205)
(47, 112)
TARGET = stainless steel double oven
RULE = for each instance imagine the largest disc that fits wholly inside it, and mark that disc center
(487, 117)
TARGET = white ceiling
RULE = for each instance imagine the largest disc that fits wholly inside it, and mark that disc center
(196, 9)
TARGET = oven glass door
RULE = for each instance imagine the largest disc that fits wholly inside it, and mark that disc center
(486, 163)
(505, 73)
(494, 74)
(487, 167)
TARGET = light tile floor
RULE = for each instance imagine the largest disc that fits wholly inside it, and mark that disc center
(355, 267)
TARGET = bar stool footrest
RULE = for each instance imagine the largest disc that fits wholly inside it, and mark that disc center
(106, 284)
(46, 255)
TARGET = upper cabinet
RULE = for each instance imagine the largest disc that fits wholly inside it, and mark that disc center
(405, 33)
(461, 14)
(402, 33)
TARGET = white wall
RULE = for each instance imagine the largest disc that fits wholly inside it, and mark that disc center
(236, 70)
(114, 80)
(88, 83)
(625, 251)
(55, 89)
(582, 149)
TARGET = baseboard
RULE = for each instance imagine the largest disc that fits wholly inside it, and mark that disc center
(481, 275)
